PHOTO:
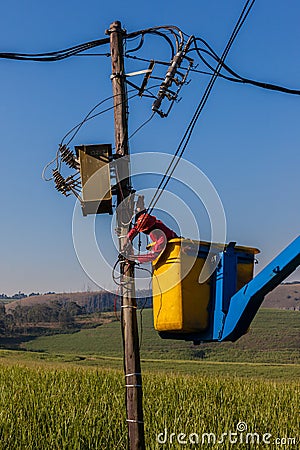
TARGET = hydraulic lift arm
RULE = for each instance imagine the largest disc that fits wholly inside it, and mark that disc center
(246, 302)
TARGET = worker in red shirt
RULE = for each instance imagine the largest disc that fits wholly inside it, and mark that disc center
(158, 232)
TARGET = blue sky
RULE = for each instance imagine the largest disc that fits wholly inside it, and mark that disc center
(247, 141)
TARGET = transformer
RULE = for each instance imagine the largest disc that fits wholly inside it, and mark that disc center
(95, 178)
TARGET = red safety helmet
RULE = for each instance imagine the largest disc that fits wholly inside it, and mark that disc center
(145, 222)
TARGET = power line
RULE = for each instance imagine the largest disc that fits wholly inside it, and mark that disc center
(76, 129)
(56, 55)
(88, 117)
(187, 135)
(141, 126)
(161, 31)
(75, 50)
(176, 41)
(236, 78)
(93, 54)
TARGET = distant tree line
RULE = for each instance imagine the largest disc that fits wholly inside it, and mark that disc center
(62, 312)
(21, 295)
(23, 315)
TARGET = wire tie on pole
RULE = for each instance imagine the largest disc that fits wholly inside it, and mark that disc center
(132, 374)
(134, 421)
(116, 75)
(133, 385)
(128, 306)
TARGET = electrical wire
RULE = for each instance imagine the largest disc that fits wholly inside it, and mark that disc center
(89, 117)
(235, 78)
(116, 167)
(56, 55)
(55, 159)
(151, 95)
(114, 276)
(238, 78)
(119, 184)
(75, 50)
(161, 30)
(141, 43)
(77, 128)
(178, 37)
(141, 126)
(79, 125)
(159, 33)
(154, 31)
(164, 63)
(187, 135)
(93, 54)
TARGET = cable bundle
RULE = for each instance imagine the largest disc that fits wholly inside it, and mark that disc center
(56, 55)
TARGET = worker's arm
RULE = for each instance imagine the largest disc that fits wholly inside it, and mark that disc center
(148, 257)
(159, 245)
(132, 234)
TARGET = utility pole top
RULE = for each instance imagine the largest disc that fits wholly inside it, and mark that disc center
(115, 26)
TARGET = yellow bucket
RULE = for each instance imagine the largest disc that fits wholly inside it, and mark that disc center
(180, 302)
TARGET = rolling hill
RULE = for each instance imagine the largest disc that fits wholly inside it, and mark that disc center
(285, 296)
(273, 338)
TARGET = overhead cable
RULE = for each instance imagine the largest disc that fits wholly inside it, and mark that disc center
(56, 55)
(235, 76)
(187, 135)
(76, 128)
(75, 50)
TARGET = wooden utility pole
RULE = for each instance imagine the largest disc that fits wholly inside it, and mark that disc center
(132, 366)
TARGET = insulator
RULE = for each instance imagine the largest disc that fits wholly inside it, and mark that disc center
(170, 78)
(60, 183)
(68, 157)
(58, 178)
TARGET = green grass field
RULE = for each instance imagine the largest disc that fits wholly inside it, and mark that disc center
(76, 408)
(271, 348)
(67, 391)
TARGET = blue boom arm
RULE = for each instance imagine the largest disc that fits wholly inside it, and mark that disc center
(245, 303)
